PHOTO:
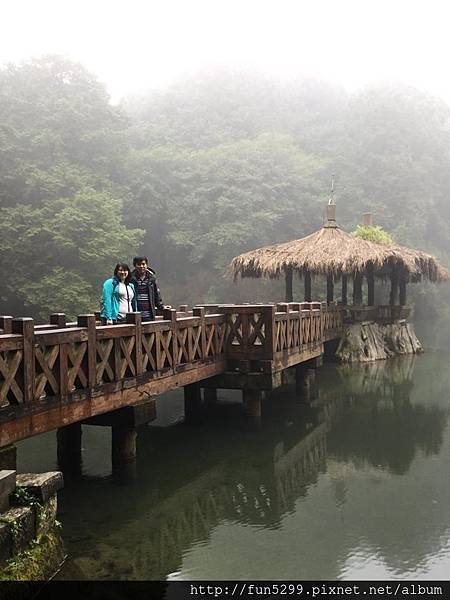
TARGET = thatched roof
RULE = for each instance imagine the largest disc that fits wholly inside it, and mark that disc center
(331, 250)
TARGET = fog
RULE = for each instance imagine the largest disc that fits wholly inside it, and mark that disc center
(141, 44)
(192, 132)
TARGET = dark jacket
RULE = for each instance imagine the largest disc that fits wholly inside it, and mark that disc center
(154, 293)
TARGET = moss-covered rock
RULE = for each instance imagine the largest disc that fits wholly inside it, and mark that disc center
(39, 561)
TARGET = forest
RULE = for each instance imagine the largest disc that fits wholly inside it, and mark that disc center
(194, 175)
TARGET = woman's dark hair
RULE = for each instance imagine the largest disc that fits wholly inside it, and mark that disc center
(125, 267)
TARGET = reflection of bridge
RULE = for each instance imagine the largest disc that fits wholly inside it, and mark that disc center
(256, 479)
(161, 529)
(58, 374)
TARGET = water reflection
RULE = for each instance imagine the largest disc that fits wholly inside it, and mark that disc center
(354, 486)
(381, 425)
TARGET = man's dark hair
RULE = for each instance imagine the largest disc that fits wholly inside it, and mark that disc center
(125, 267)
(138, 259)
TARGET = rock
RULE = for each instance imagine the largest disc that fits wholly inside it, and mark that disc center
(42, 485)
(368, 341)
(21, 522)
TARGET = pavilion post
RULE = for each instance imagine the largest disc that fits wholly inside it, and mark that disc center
(402, 287)
(330, 288)
(307, 282)
(344, 290)
(370, 285)
(357, 289)
(394, 288)
(289, 297)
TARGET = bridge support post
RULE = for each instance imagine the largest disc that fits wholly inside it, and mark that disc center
(68, 448)
(123, 447)
(305, 378)
(192, 402)
(210, 395)
(252, 407)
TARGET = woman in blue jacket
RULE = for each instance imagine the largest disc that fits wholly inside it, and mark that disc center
(118, 297)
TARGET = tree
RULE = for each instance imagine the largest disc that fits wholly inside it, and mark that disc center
(373, 233)
(61, 252)
(55, 116)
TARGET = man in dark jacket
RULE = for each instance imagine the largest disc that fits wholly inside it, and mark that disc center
(148, 296)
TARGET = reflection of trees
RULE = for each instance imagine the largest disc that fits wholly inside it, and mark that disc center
(378, 423)
(386, 436)
(178, 500)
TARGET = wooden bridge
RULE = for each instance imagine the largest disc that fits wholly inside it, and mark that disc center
(62, 373)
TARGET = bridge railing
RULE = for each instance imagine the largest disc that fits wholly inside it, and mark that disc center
(264, 331)
(39, 363)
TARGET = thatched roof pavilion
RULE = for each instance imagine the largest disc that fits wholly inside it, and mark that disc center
(333, 253)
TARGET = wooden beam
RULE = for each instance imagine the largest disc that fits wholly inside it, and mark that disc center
(58, 319)
(402, 287)
(357, 289)
(307, 283)
(6, 324)
(394, 288)
(90, 358)
(136, 320)
(370, 286)
(288, 277)
(330, 288)
(344, 290)
(25, 373)
(22, 422)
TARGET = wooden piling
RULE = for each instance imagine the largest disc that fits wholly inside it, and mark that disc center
(123, 447)
(192, 401)
(68, 448)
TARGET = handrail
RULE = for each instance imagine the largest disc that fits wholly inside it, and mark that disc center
(65, 360)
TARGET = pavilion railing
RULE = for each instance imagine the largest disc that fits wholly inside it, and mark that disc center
(388, 313)
(40, 364)
(379, 313)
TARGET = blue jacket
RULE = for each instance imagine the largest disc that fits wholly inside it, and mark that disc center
(111, 299)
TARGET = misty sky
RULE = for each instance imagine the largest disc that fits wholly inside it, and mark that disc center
(140, 44)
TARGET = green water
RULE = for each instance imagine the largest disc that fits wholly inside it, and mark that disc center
(355, 487)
